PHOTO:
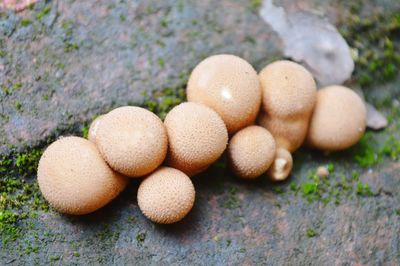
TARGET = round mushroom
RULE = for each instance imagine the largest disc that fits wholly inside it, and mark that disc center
(74, 178)
(132, 140)
(338, 121)
(289, 95)
(282, 165)
(229, 85)
(197, 137)
(93, 128)
(251, 152)
(166, 196)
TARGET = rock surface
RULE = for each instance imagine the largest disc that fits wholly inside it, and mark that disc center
(60, 67)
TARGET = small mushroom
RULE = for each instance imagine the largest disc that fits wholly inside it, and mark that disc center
(166, 196)
(282, 165)
(132, 140)
(197, 137)
(229, 85)
(338, 121)
(74, 178)
(251, 152)
(322, 171)
(93, 128)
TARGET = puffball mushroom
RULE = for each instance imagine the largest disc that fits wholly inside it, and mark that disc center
(132, 140)
(289, 95)
(197, 137)
(74, 178)
(282, 165)
(93, 129)
(166, 196)
(229, 85)
(338, 121)
(251, 152)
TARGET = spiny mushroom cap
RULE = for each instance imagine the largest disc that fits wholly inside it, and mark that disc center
(229, 85)
(197, 137)
(93, 129)
(251, 152)
(289, 90)
(282, 165)
(166, 196)
(132, 140)
(288, 133)
(338, 121)
(74, 178)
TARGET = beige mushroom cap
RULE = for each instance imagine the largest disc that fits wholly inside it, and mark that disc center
(197, 137)
(251, 151)
(288, 89)
(282, 165)
(229, 85)
(338, 121)
(132, 140)
(93, 128)
(288, 133)
(166, 196)
(74, 178)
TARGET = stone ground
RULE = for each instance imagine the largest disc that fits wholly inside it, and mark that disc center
(64, 62)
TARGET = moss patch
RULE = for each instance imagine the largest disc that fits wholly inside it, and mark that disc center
(372, 39)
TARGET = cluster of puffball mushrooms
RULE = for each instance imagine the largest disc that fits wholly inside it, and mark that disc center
(226, 98)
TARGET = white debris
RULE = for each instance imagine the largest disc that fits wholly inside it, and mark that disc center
(311, 40)
(375, 119)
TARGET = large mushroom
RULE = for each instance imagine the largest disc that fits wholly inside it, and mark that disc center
(229, 85)
(197, 137)
(74, 178)
(338, 121)
(132, 140)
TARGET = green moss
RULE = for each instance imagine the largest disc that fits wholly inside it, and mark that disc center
(54, 258)
(372, 40)
(25, 22)
(18, 106)
(311, 232)
(85, 131)
(122, 18)
(161, 102)
(164, 23)
(255, 5)
(161, 62)
(366, 155)
(364, 190)
(44, 12)
(27, 163)
(141, 237)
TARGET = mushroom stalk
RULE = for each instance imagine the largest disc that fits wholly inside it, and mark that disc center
(282, 165)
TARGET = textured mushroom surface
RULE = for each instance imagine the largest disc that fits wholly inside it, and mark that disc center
(197, 137)
(288, 133)
(289, 95)
(339, 119)
(251, 152)
(166, 196)
(93, 128)
(74, 178)
(132, 140)
(229, 85)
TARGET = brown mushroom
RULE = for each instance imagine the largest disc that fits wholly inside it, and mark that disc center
(251, 152)
(74, 178)
(338, 121)
(229, 85)
(197, 137)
